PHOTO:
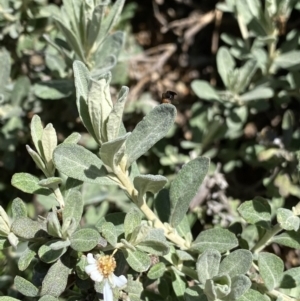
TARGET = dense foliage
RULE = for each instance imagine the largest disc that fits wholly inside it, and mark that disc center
(193, 201)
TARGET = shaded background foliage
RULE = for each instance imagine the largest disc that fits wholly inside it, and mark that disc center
(168, 45)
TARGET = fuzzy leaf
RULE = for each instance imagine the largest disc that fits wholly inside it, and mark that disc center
(270, 269)
(73, 206)
(48, 255)
(237, 262)
(53, 224)
(156, 271)
(289, 239)
(138, 260)
(82, 82)
(149, 183)
(18, 208)
(208, 265)
(257, 93)
(151, 129)
(84, 240)
(60, 244)
(179, 286)
(132, 220)
(239, 285)
(225, 64)
(28, 229)
(49, 142)
(37, 159)
(109, 232)
(257, 211)
(150, 240)
(36, 129)
(58, 275)
(28, 183)
(287, 219)
(51, 182)
(70, 37)
(290, 278)
(219, 239)
(253, 295)
(115, 117)
(185, 186)
(99, 107)
(204, 90)
(112, 151)
(111, 18)
(25, 287)
(27, 256)
(77, 162)
(73, 138)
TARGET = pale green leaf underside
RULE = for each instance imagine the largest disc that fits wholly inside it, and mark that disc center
(270, 268)
(217, 238)
(185, 187)
(151, 129)
(77, 162)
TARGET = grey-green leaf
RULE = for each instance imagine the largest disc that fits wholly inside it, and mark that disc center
(185, 187)
(18, 208)
(270, 268)
(253, 295)
(51, 182)
(25, 287)
(149, 183)
(82, 82)
(239, 285)
(156, 271)
(77, 162)
(73, 206)
(84, 240)
(151, 129)
(27, 256)
(289, 238)
(58, 274)
(36, 129)
(138, 260)
(208, 265)
(225, 63)
(115, 117)
(257, 211)
(287, 219)
(28, 229)
(132, 220)
(237, 262)
(28, 183)
(109, 232)
(217, 238)
(257, 93)
(48, 255)
(111, 151)
(204, 90)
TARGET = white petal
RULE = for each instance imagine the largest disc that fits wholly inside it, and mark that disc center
(107, 292)
(96, 276)
(119, 281)
(90, 258)
(90, 268)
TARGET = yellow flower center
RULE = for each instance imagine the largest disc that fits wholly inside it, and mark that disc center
(106, 265)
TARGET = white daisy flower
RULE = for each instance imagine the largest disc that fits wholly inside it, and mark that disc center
(102, 270)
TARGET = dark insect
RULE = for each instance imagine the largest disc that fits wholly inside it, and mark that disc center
(168, 97)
